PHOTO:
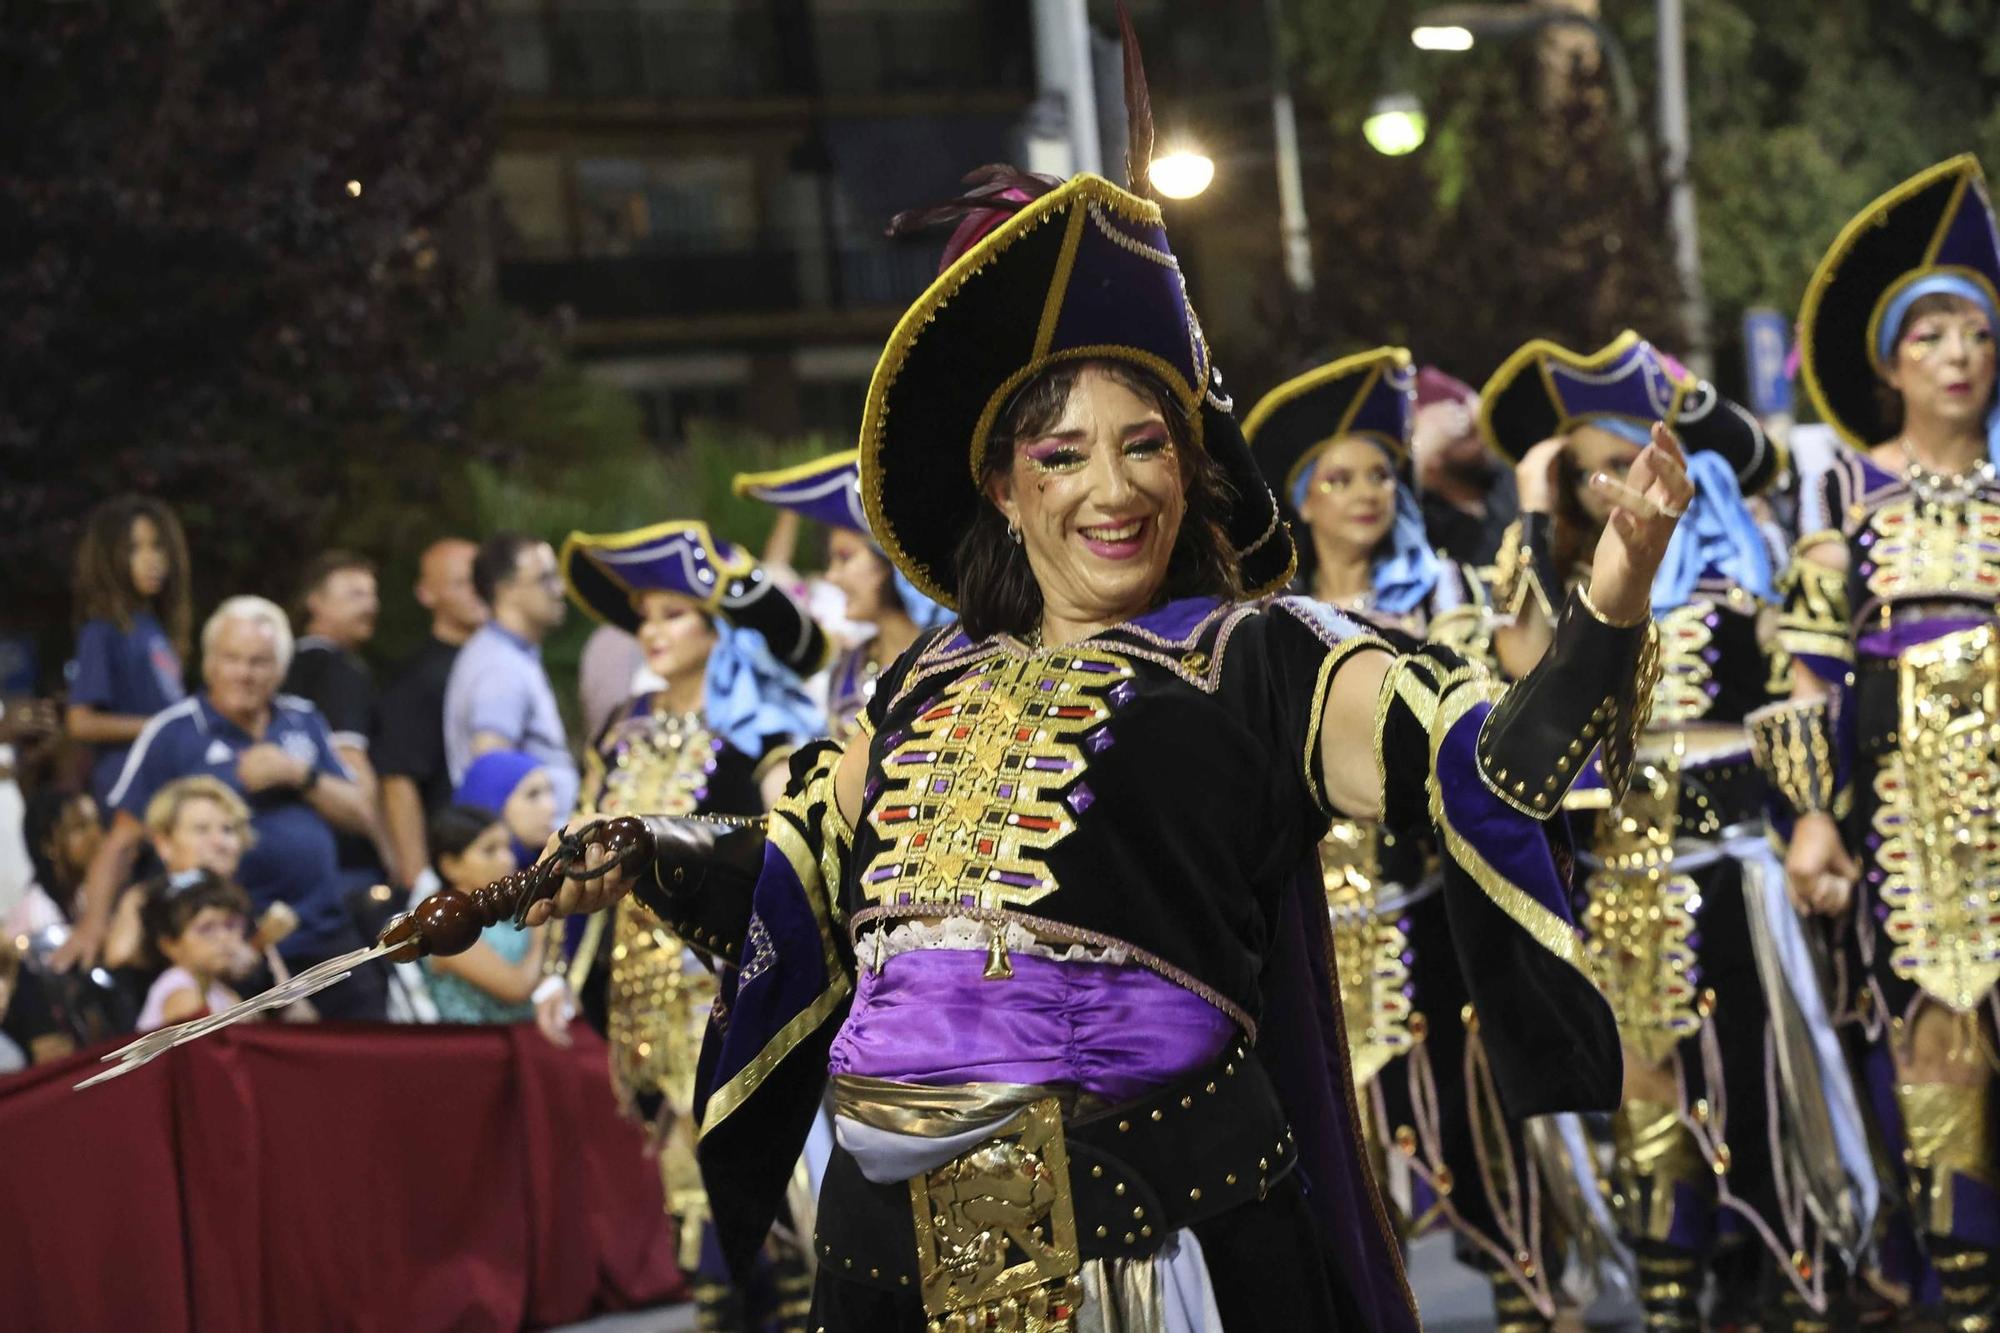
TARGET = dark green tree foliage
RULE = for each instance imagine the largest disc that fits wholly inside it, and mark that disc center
(197, 302)
(1521, 218)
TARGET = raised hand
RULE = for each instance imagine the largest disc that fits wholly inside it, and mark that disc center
(1645, 508)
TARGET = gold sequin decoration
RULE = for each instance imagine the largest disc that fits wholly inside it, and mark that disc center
(1682, 692)
(1939, 819)
(970, 791)
(658, 1002)
(1639, 919)
(1930, 547)
(1367, 950)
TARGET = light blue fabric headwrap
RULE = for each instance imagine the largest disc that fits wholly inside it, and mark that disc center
(749, 699)
(1405, 576)
(921, 609)
(1939, 284)
(1716, 537)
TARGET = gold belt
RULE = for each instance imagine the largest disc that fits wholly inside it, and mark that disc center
(995, 1225)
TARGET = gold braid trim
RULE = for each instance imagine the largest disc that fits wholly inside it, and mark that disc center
(798, 830)
(1792, 742)
(1544, 926)
(1814, 619)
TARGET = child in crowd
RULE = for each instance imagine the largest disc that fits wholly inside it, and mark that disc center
(134, 617)
(194, 929)
(491, 982)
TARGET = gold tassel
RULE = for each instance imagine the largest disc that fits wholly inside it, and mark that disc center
(999, 967)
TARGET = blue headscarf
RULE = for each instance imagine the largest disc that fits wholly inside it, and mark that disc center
(1716, 537)
(1939, 284)
(1404, 577)
(492, 778)
(919, 608)
(749, 699)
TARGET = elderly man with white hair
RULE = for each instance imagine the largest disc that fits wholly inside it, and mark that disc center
(276, 751)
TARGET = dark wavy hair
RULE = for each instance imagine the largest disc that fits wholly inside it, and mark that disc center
(997, 592)
(171, 903)
(102, 587)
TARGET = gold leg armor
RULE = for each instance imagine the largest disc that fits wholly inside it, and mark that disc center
(1654, 1153)
(1945, 1126)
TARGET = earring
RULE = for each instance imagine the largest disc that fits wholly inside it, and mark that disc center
(1013, 534)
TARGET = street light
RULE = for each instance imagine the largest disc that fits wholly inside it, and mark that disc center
(1395, 125)
(1456, 27)
(1448, 38)
(1182, 173)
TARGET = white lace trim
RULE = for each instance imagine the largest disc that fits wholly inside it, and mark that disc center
(957, 932)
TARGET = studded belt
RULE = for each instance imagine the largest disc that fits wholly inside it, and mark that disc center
(1136, 1173)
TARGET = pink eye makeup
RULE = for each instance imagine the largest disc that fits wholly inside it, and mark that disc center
(1053, 455)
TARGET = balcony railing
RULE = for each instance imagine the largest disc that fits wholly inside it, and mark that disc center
(604, 50)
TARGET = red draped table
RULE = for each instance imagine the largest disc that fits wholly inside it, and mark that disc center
(329, 1177)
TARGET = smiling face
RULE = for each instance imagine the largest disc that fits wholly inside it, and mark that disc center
(675, 633)
(1944, 364)
(861, 575)
(1098, 497)
(1351, 500)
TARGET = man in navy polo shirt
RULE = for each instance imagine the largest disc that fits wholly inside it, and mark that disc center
(274, 749)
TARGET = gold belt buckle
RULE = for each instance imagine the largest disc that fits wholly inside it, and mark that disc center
(996, 1230)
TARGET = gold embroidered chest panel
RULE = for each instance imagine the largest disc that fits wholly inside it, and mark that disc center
(658, 1003)
(657, 764)
(1915, 547)
(970, 788)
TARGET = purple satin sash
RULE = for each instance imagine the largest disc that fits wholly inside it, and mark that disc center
(930, 1016)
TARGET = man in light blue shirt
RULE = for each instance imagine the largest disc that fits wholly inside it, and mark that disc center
(498, 697)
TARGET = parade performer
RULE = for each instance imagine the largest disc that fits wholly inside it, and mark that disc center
(1332, 442)
(828, 490)
(1729, 1068)
(1053, 922)
(729, 644)
(1887, 751)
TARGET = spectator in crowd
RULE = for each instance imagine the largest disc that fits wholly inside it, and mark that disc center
(28, 728)
(498, 697)
(133, 615)
(409, 724)
(194, 932)
(492, 981)
(63, 831)
(516, 789)
(29, 1030)
(338, 605)
(1467, 494)
(193, 824)
(276, 752)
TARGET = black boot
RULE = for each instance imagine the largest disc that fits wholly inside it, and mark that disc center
(1669, 1287)
(1966, 1276)
(718, 1308)
(1513, 1311)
